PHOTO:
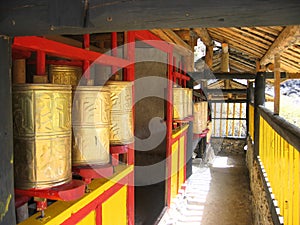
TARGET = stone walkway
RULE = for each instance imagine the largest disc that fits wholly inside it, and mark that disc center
(217, 193)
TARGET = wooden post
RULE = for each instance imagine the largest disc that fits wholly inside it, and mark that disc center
(209, 56)
(7, 209)
(276, 84)
(259, 99)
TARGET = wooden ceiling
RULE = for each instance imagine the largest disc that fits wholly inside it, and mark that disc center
(248, 46)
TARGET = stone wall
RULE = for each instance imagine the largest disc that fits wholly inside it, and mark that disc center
(260, 207)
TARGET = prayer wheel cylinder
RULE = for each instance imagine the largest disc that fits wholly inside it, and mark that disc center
(190, 102)
(69, 75)
(185, 102)
(200, 117)
(91, 121)
(121, 130)
(178, 103)
(42, 135)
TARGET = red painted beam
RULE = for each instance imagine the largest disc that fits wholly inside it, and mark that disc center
(34, 43)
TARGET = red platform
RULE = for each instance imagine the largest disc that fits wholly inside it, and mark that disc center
(115, 151)
(90, 172)
(73, 190)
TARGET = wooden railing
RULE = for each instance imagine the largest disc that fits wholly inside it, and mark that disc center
(228, 119)
(279, 145)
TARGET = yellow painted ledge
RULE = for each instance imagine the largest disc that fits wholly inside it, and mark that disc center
(60, 211)
(179, 131)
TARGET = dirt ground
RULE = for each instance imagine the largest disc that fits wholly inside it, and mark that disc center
(217, 193)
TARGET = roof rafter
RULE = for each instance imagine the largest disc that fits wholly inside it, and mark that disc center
(289, 36)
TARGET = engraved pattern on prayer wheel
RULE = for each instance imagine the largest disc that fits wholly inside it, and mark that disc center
(69, 75)
(42, 135)
(121, 130)
(91, 120)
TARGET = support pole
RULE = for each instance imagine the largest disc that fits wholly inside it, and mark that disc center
(276, 84)
(259, 99)
(7, 211)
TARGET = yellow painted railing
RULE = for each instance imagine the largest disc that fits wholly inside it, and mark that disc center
(251, 121)
(281, 162)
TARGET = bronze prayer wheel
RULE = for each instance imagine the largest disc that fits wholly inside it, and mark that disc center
(178, 103)
(121, 130)
(69, 75)
(42, 135)
(91, 121)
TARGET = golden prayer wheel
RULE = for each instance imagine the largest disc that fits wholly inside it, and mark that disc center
(91, 121)
(185, 101)
(200, 117)
(42, 135)
(121, 130)
(178, 103)
(69, 75)
(190, 102)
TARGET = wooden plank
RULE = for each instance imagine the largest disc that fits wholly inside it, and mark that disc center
(277, 84)
(267, 38)
(7, 209)
(287, 37)
(19, 17)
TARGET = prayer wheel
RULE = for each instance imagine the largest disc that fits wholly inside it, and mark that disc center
(190, 102)
(178, 103)
(69, 75)
(200, 117)
(121, 130)
(186, 102)
(42, 135)
(91, 121)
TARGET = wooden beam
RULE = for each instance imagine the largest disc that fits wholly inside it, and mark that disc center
(277, 84)
(204, 36)
(7, 209)
(19, 17)
(209, 56)
(226, 91)
(286, 38)
(220, 76)
(162, 35)
(176, 39)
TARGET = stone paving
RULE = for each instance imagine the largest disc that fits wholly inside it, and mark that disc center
(217, 193)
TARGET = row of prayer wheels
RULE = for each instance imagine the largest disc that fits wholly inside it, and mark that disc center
(200, 117)
(45, 145)
(182, 103)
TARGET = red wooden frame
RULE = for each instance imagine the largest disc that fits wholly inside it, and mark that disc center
(96, 204)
